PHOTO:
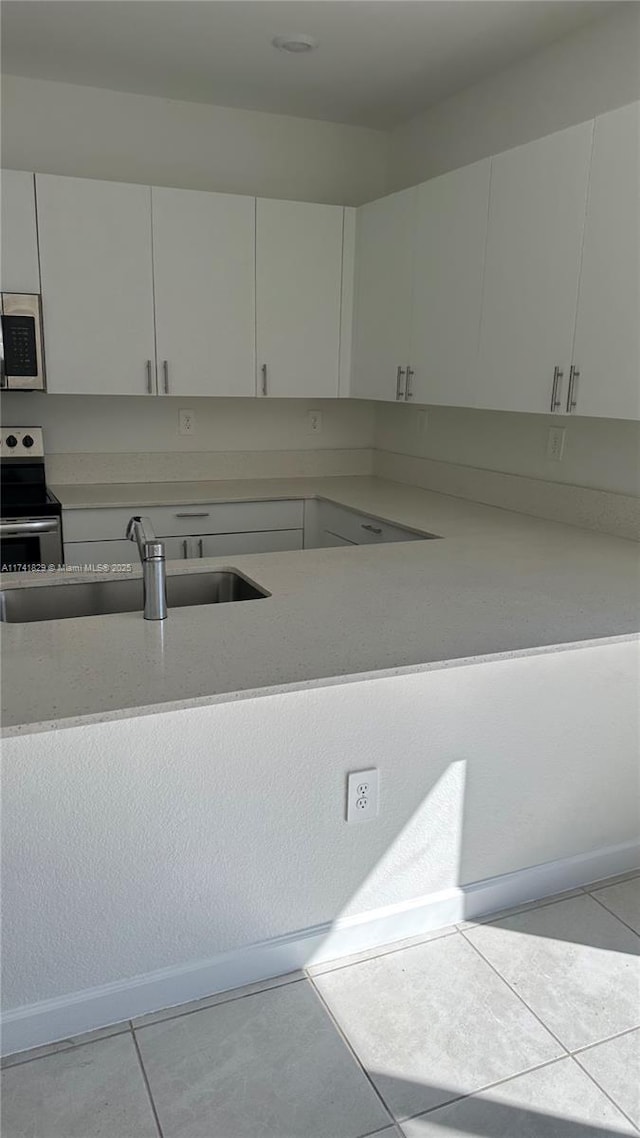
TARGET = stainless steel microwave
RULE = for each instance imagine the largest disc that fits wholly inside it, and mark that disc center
(21, 351)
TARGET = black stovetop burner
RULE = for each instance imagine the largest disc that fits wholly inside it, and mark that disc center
(23, 488)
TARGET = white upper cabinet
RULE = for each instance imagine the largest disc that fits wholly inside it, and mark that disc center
(384, 269)
(449, 245)
(20, 268)
(534, 242)
(97, 286)
(298, 298)
(204, 278)
(607, 345)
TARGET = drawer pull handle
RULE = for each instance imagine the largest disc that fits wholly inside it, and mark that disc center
(371, 529)
(200, 549)
(574, 376)
(192, 515)
(555, 390)
(184, 548)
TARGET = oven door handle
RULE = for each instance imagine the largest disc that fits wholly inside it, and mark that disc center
(28, 525)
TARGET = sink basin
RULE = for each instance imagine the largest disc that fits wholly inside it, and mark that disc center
(96, 598)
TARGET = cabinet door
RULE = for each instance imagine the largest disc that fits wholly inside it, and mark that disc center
(20, 268)
(97, 287)
(534, 242)
(384, 267)
(607, 344)
(450, 237)
(204, 278)
(234, 544)
(298, 294)
(92, 554)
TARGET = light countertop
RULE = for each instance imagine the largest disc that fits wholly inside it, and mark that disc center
(498, 584)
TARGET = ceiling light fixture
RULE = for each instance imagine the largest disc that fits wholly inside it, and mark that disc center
(296, 44)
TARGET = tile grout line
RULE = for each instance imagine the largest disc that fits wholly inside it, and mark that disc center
(145, 1080)
(607, 1039)
(451, 931)
(355, 1055)
(5, 1065)
(608, 882)
(516, 994)
(612, 914)
(448, 1102)
(217, 1003)
(527, 907)
(595, 1082)
(486, 1087)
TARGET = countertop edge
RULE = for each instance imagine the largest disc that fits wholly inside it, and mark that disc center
(164, 708)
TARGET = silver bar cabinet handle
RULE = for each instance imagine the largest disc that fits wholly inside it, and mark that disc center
(409, 391)
(192, 515)
(574, 376)
(184, 548)
(200, 548)
(263, 369)
(399, 387)
(165, 368)
(555, 390)
(372, 529)
(149, 378)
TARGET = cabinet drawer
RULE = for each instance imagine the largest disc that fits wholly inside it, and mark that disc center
(218, 517)
(359, 528)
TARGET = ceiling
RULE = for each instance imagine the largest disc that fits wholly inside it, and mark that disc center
(378, 61)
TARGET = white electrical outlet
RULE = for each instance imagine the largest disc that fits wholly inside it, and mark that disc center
(314, 422)
(186, 422)
(363, 795)
(555, 443)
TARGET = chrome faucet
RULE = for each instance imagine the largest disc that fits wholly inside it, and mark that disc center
(154, 575)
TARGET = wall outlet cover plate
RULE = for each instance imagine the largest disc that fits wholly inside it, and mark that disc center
(363, 795)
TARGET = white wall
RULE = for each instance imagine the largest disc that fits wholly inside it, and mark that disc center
(580, 76)
(603, 454)
(58, 128)
(76, 424)
(152, 842)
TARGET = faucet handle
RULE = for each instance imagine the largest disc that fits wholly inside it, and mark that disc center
(131, 527)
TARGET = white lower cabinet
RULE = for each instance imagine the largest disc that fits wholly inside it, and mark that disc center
(94, 537)
(90, 555)
(326, 524)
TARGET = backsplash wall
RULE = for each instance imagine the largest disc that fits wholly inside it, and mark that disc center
(602, 454)
(111, 439)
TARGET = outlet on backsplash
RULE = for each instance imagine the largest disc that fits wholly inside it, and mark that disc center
(555, 443)
(186, 422)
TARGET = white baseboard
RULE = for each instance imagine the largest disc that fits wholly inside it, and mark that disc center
(50, 1020)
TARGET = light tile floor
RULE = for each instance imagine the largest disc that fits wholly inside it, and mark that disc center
(522, 1025)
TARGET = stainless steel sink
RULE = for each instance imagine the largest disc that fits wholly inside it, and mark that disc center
(97, 598)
